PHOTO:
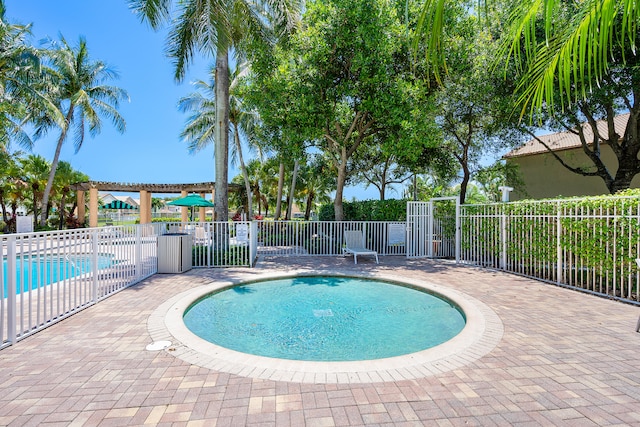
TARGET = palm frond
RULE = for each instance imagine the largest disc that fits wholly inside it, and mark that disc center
(430, 27)
(155, 12)
(575, 58)
(203, 26)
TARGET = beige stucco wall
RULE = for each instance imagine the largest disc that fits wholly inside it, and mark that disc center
(545, 177)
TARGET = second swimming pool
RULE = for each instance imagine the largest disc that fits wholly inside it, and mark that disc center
(324, 318)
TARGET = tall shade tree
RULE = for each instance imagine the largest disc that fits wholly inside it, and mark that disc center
(79, 90)
(376, 167)
(217, 27)
(473, 103)
(341, 81)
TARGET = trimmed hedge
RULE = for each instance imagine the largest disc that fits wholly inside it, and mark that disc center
(367, 210)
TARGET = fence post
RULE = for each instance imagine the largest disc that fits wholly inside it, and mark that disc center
(253, 243)
(503, 241)
(458, 231)
(430, 214)
(138, 251)
(560, 270)
(94, 262)
(12, 275)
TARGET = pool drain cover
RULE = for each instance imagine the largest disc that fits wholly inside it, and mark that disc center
(158, 345)
(323, 313)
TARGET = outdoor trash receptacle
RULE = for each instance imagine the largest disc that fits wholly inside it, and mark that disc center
(174, 253)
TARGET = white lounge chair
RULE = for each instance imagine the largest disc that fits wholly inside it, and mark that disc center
(201, 235)
(354, 244)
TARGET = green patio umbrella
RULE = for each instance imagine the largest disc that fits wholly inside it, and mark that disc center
(191, 201)
(118, 204)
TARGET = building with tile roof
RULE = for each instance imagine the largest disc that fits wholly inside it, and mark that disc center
(543, 175)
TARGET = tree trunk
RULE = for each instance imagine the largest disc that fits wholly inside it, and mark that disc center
(292, 190)
(466, 176)
(35, 208)
(54, 166)
(278, 212)
(3, 206)
(344, 152)
(626, 171)
(245, 175)
(61, 213)
(628, 163)
(337, 203)
(12, 221)
(256, 192)
(221, 150)
(307, 212)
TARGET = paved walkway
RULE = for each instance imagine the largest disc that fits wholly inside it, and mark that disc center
(565, 358)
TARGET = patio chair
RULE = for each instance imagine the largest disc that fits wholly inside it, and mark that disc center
(354, 244)
(201, 235)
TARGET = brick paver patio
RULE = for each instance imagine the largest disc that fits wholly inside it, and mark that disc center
(565, 358)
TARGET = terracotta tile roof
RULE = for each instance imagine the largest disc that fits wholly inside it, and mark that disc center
(566, 140)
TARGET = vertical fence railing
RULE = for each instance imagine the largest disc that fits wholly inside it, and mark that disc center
(580, 243)
(49, 276)
(215, 244)
(418, 218)
(326, 238)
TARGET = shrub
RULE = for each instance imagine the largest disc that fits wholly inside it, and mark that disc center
(367, 210)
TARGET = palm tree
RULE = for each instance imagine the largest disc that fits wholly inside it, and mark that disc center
(19, 64)
(79, 91)
(34, 171)
(257, 178)
(65, 177)
(266, 181)
(574, 55)
(200, 129)
(316, 186)
(10, 184)
(217, 27)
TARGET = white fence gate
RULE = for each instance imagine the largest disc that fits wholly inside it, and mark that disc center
(433, 228)
(418, 214)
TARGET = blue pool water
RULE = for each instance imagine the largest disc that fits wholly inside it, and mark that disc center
(324, 319)
(51, 269)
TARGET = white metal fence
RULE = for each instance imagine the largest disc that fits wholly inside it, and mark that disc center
(302, 238)
(216, 244)
(582, 243)
(432, 228)
(47, 277)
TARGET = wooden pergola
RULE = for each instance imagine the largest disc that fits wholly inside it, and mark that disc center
(145, 190)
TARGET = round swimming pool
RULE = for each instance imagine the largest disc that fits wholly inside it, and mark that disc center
(324, 318)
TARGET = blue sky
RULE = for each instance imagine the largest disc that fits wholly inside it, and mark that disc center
(150, 151)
